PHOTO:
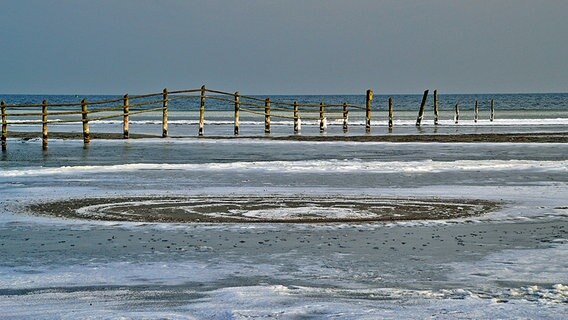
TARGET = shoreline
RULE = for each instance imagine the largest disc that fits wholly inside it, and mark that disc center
(553, 137)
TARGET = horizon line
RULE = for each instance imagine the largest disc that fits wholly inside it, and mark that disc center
(293, 94)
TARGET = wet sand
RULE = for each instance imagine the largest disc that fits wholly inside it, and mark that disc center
(556, 137)
(482, 137)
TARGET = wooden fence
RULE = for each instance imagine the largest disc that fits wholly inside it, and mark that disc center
(87, 112)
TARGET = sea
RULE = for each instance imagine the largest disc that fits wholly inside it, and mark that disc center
(509, 262)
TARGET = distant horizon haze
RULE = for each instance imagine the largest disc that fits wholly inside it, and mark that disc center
(362, 93)
(291, 47)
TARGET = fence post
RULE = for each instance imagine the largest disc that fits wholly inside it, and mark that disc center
(435, 107)
(457, 115)
(390, 114)
(165, 113)
(322, 118)
(125, 107)
(345, 118)
(202, 111)
(296, 118)
(44, 124)
(368, 99)
(84, 113)
(492, 116)
(475, 112)
(237, 111)
(421, 111)
(267, 115)
(4, 125)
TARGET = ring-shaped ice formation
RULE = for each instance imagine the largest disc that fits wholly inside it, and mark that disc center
(263, 209)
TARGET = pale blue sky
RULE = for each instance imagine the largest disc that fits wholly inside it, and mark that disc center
(281, 47)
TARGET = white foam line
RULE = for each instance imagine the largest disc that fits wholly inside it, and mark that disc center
(308, 166)
(339, 122)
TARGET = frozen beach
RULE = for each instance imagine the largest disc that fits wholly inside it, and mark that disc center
(507, 261)
(238, 160)
(465, 220)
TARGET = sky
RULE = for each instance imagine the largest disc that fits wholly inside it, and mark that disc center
(283, 47)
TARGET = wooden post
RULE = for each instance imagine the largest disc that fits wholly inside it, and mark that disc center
(390, 113)
(368, 99)
(125, 107)
(457, 115)
(4, 125)
(492, 116)
(476, 112)
(165, 113)
(44, 124)
(202, 111)
(84, 113)
(322, 118)
(421, 111)
(267, 116)
(435, 107)
(296, 118)
(237, 109)
(345, 118)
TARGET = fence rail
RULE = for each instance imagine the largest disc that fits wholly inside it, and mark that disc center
(87, 112)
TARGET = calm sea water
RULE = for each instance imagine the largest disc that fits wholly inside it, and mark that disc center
(403, 102)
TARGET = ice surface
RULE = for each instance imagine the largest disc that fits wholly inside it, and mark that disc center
(314, 166)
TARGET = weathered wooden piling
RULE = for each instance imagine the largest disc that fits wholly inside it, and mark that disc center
(322, 118)
(237, 111)
(435, 107)
(421, 111)
(297, 124)
(475, 112)
(223, 96)
(202, 111)
(4, 125)
(85, 120)
(390, 114)
(457, 113)
(345, 118)
(165, 113)
(125, 111)
(267, 116)
(44, 124)
(368, 99)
